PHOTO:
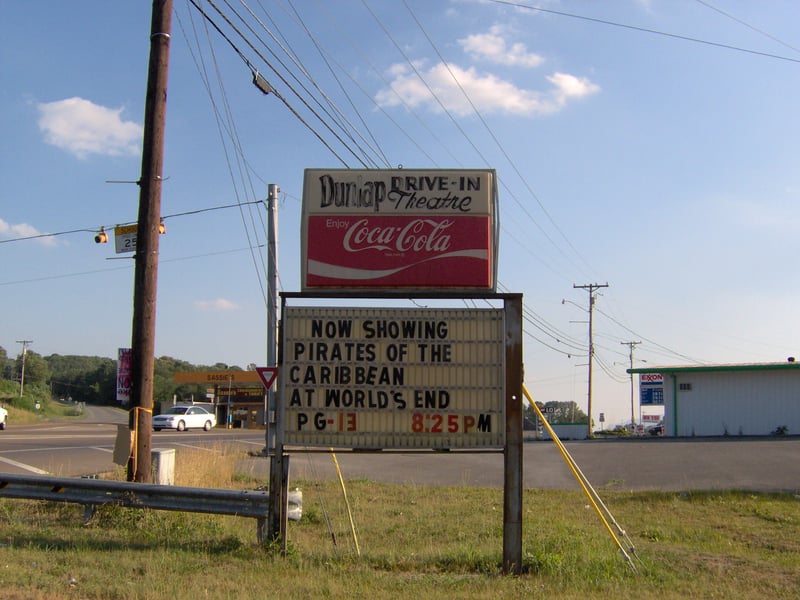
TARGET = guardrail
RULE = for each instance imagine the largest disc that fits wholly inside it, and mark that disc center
(98, 492)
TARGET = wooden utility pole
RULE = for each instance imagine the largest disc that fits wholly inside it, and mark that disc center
(591, 288)
(272, 311)
(25, 344)
(632, 345)
(146, 274)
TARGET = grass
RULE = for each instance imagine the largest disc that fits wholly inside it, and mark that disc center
(414, 541)
(23, 410)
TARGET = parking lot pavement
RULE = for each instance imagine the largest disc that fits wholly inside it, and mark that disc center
(757, 464)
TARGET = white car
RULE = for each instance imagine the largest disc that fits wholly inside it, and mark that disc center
(185, 417)
(3, 418)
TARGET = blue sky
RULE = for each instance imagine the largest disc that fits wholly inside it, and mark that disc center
(651, 145)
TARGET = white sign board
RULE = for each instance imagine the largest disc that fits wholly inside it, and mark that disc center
(393, 378)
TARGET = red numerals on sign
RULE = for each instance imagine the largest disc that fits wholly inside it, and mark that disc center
(347, 421)
(450, 423)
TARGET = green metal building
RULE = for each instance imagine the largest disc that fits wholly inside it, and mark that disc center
(757, 399)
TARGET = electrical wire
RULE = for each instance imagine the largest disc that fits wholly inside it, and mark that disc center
(503, 151)
(46, 235)
(342, 88)
(122, 224)
(676, 36)
(227, 123)
(125, 267)
(408, 107)
(748, 25)
(608, 370)
(337, 116)
(375, 155)
(530, 317)
(273, 90)
(649, 341)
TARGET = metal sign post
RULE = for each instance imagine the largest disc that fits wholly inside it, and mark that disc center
(512, 481)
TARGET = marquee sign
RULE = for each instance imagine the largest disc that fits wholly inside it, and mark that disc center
(417, 229)
(393, 378)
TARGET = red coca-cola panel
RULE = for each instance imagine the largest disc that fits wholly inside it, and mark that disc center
(417, 251)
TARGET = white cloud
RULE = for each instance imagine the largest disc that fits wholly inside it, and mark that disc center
(82, 128)
(493, 47)
(487, 92)
(568, 86)
(218, 305)
(23, 230)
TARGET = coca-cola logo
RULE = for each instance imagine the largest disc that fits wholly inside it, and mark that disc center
(418, 235)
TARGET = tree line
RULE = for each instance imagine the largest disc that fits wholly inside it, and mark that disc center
(93, 379)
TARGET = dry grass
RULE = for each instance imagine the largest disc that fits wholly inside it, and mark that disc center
(413, 541)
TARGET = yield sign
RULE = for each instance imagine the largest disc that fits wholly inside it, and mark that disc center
(268, 375)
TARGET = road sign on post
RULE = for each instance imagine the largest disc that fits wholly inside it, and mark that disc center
(267, 375)
(125, 238)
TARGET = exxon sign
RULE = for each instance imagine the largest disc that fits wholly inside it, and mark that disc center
(399, 229)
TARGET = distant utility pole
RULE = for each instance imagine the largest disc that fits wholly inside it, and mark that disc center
(591, 288)
(631, 346)
(146, 273)
(25, 344)
(272, 310)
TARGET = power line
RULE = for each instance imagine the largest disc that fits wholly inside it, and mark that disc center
(646, 30)
(379, 74)
(338, 116)
(227, 123)
(670, 351)
(748, 25)
(45, 235)
(275, 92)
(347, 131)
(500, 146)
(533, 320)
(95, 229)
(126, 267)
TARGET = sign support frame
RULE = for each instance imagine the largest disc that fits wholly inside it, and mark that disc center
(512, 449)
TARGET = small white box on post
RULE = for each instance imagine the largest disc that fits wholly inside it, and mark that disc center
(163, 465)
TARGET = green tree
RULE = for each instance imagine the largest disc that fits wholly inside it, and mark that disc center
(104, 382)
(5, 366)
(91, 379)
(164, 385)
(36, 369)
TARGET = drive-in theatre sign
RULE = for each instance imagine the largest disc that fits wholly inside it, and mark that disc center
(399, 228)
(394, 378)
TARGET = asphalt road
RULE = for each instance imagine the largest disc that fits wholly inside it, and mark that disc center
(758, 464)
